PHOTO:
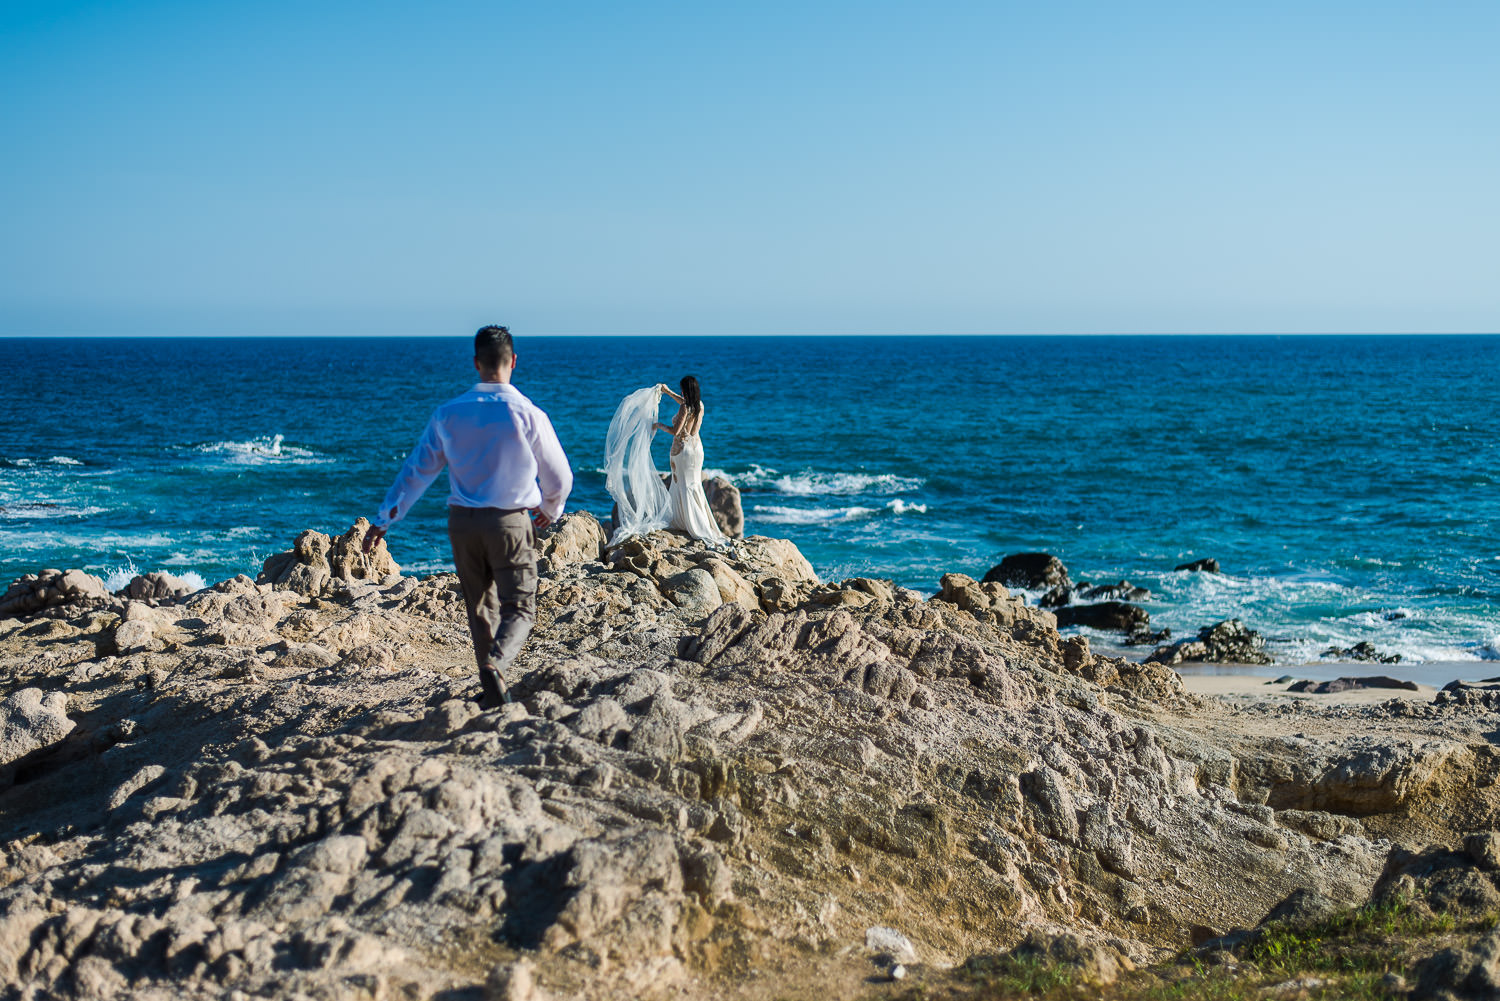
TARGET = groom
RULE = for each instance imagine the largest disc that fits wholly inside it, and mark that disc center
(497, 445)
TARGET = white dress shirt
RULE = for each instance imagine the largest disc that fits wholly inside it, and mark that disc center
(496, 444)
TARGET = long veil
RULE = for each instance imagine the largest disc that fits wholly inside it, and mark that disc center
(629, 473)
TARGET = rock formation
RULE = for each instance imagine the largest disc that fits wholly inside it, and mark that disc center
(1362, 651)
(50, 588)
(724, 502)
(1030, 571)
(719, 764)
(316, 561)
(1228, 642)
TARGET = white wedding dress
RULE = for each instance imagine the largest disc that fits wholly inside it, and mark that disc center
(642, 504)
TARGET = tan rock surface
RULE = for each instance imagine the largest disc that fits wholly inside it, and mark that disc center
(722, 775)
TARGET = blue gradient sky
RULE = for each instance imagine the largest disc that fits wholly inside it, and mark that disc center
(237, 168)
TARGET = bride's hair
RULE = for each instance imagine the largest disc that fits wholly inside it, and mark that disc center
(690, 394)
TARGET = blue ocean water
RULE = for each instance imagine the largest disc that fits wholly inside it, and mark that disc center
(1347, 484)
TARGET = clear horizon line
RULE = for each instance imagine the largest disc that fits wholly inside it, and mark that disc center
(526, 334)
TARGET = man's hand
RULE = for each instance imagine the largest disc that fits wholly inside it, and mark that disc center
(540, 519)
(373, 535)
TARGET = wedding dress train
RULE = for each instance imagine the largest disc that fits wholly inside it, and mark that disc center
(642, 504)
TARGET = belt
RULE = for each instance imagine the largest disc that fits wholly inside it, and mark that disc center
(487, 510)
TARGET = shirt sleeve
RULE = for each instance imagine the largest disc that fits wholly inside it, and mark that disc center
(552, 469)
(417, 474)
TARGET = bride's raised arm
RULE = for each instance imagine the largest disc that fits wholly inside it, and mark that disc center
(668, 390)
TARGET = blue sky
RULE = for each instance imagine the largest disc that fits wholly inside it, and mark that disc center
(236, 168)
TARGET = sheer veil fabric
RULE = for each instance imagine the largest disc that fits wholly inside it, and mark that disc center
(630, 476)
(642, 503)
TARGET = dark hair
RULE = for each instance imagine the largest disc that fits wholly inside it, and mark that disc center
(493, 348)
(690, 394)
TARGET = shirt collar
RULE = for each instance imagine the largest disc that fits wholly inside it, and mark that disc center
(493, 387)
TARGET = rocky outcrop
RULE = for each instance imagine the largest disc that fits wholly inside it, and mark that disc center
(1207, 565)
(1228, 642)
(316, 562)
(1029, 571)
(716, 759)
(52, 588)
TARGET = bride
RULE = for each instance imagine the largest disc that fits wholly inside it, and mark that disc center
(642, 503)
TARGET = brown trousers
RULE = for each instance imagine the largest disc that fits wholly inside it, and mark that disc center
(494, 552)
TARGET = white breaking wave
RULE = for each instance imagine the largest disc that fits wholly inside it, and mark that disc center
(811, 484)
(899, 506)
(64, 460)
(261, 451)
(37, 511)
(810, 515)
(119, 577)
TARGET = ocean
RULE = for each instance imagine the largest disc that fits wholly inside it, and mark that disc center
(1347, 485)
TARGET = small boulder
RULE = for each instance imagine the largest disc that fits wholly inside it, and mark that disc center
(1095, 963)
(1302, 909)
(30, 720)
(1207, 565)
(694, 591)
(576, 537)
(888, 946)
(156, 586)
(724, 501)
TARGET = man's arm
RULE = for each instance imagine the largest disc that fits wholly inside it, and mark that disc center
(417, 474)
(552, 469)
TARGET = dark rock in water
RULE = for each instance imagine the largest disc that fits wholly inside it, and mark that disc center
(1031, 571)
(1351, 685)
(1107, 616)
(1123, 591)
(1228, 642)
(1148, 638)
(1057, 597)
(1365, 651)
(1208, 565)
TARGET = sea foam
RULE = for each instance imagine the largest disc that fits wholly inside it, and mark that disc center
(260, 451)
